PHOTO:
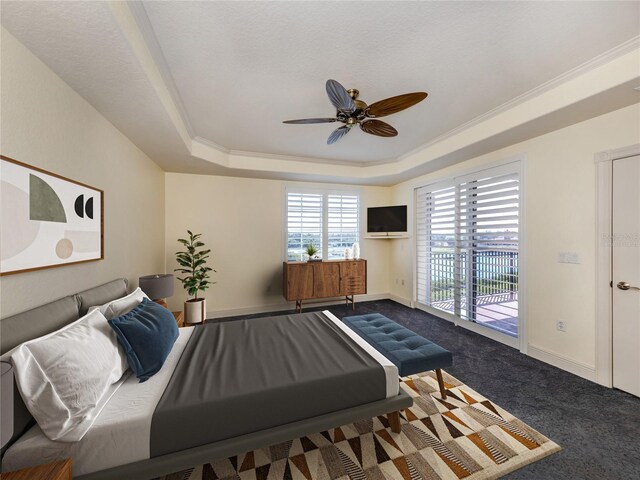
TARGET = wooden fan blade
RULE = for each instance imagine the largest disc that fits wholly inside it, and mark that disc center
(311, 120)
(340, 97)
(337, 134)
(392, 105)
(379, 128)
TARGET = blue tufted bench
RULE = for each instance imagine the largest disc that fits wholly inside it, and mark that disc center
(407, 350)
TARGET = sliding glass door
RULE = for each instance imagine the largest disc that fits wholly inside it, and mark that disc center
(467, 245)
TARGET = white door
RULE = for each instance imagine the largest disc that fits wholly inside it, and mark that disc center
(626, 274)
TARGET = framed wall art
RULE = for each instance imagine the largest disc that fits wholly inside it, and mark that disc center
(47, 220)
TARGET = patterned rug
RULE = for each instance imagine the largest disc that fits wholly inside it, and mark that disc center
(465, 436)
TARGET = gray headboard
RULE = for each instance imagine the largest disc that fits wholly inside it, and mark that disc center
(46, 319)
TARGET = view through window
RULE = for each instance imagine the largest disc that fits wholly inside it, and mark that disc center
(328, 220)
(467, 247)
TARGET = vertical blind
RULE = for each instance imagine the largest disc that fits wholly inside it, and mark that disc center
(467, 244)
(329, 220)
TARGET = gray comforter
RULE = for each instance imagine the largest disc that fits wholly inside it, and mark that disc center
(244, 376)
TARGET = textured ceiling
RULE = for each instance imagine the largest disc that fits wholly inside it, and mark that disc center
(235, 70)
(242, 67)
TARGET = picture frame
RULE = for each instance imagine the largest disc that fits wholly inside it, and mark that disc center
(48, 220)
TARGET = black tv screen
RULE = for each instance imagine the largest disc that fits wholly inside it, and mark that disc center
(387, 219)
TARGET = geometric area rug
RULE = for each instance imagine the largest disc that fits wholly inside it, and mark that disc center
(466, 436)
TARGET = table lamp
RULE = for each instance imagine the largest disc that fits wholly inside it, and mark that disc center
(6, 403)
(157, 287)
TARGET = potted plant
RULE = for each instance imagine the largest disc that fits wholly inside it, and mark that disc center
(196, 276)
(311, 251)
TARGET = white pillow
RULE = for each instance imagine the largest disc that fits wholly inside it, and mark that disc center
(66, 377)
(123, 305)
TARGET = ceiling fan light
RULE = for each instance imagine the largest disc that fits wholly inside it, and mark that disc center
(352, 112)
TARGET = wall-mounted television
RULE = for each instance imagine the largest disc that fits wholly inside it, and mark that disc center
(383, 220)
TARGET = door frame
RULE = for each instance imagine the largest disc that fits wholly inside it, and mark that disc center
(604, 266)
(522, 342)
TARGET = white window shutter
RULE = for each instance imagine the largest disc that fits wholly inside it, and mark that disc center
(467, 244)
(328, 219)
(488, 240)
(304, 223)
(343, 223)
(435, 230)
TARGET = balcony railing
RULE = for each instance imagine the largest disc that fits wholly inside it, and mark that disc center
(488, 282)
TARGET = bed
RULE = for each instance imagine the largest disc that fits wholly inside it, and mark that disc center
(225, 388)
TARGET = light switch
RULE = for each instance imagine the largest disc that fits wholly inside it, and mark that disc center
(569, 257)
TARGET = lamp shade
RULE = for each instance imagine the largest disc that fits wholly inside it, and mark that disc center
(157, 286)
(6, 402)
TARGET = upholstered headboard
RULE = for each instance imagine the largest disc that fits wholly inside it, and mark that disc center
(46, 319)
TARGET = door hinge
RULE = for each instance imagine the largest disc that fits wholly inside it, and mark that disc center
(611, 284)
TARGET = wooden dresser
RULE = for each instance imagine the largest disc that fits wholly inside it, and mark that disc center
(319, 280)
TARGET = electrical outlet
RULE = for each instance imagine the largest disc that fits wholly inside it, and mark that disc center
(403, 283)
(561, 325)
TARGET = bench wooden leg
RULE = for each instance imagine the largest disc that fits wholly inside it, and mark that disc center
(443, 390)
(394, 421)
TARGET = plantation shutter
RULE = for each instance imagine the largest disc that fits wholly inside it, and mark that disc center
(304, 223)
(435, 248)
(488, 238)
(343, 222)
(467, 244)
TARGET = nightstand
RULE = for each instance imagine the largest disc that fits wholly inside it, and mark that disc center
(179, 318)
(60, 470)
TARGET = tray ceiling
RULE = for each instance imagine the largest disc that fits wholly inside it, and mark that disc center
(234, 70)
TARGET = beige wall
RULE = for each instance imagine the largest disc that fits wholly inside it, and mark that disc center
(242, 221)
(560, 199)
(48, 125)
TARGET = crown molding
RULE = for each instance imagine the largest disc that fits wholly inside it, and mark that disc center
(148, 33)
(294, 158)
(575, 72)
(139, 45)
(275, 156)
(392, 166)
(209, 143)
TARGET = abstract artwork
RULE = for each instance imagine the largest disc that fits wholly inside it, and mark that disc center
(46, 220)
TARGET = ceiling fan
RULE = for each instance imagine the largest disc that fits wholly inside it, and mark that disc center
(352, 112)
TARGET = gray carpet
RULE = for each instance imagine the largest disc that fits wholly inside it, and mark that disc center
(598, 428)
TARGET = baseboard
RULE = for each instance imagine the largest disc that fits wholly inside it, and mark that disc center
(232, 312)
(401, 300)
(577, 368)
(277, 307)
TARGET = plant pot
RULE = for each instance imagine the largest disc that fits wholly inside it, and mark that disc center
(195, 311)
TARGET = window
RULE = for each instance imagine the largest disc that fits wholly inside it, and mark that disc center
(330, 220)
(467, 234)
(342, 223)
(304, 223)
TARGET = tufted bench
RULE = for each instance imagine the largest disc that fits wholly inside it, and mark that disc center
(407, 350)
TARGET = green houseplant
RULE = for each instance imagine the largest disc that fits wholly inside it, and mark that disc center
(311, 250)
(193, 266)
